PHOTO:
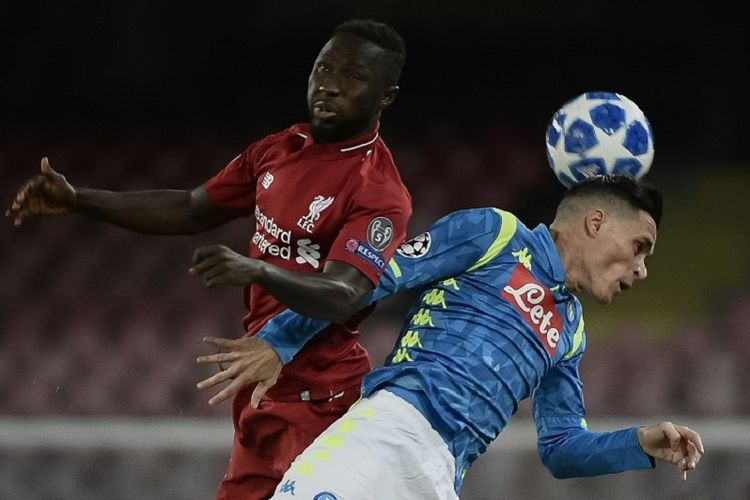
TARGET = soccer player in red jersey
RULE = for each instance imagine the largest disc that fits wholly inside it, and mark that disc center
(330, 210)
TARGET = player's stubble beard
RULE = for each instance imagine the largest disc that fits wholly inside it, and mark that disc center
(338, 131)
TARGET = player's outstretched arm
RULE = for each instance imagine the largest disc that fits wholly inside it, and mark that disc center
(47, 193)
(155, 211)
(568, 449)
(675, 444)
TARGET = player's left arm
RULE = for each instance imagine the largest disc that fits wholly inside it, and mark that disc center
(568, 449)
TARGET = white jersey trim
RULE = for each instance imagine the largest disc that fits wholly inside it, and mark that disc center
(352, 148)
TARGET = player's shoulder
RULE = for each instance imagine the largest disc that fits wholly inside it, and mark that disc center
(275, 145)
(379, 176)
(378, 164)
(475, 214)
(494, 216)
(503, 229)
(294, 136)
(297, 134)
(479, 220)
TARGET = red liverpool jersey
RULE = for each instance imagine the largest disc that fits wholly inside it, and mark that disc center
(315, 202)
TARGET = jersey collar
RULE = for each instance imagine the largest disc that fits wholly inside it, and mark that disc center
(556, 268)
(334, 150)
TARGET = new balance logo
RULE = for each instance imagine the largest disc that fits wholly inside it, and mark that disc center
(267, 180)
(308, 252)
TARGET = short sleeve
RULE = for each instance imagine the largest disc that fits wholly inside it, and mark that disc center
(374, 228)
(234, 186)
(454, 244)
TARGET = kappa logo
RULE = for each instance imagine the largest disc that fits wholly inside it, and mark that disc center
(267, 180)
(308, 252)
(536, 305)
(287, 487)
(318, 204)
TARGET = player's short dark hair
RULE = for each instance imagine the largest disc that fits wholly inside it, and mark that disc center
(382, 35)
(636, 194)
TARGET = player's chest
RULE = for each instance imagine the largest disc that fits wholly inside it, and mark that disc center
(512, 296)
(305, 198)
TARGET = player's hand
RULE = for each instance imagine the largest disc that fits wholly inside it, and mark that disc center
(250, 360)
(675, 444)
(47, 193)
(220, 265)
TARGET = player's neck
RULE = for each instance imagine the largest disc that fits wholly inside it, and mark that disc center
(568, 255)
(330, 136)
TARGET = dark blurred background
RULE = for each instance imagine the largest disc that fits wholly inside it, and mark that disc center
(96, 321)
(174, 67)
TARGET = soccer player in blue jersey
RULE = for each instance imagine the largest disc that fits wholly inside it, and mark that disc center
(497, 321)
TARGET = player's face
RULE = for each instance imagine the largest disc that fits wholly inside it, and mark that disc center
(347, 89)
(617, 256)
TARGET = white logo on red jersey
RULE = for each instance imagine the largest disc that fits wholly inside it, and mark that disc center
(267, 180)
(309, 252)
(269, 236)
(536, 305)
(272, 239)
(318, 204)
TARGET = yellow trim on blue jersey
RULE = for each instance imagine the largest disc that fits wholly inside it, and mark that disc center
(507, 231)
(577, 339)
(394, 267)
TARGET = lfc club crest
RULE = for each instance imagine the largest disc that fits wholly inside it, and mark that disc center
(318, 204)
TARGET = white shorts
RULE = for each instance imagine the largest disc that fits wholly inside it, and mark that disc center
(382, 448)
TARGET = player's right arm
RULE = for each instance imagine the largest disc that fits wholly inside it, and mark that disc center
(154, 211)
(568, 449)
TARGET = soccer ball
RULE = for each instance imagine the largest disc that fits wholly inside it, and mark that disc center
(599, 133)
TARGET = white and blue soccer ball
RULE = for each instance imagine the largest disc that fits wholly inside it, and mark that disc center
(599, 133)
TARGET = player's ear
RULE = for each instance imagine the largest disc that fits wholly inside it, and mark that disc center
(389, 95)
(593, 221)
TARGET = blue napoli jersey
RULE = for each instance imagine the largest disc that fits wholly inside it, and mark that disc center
(494, 324)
